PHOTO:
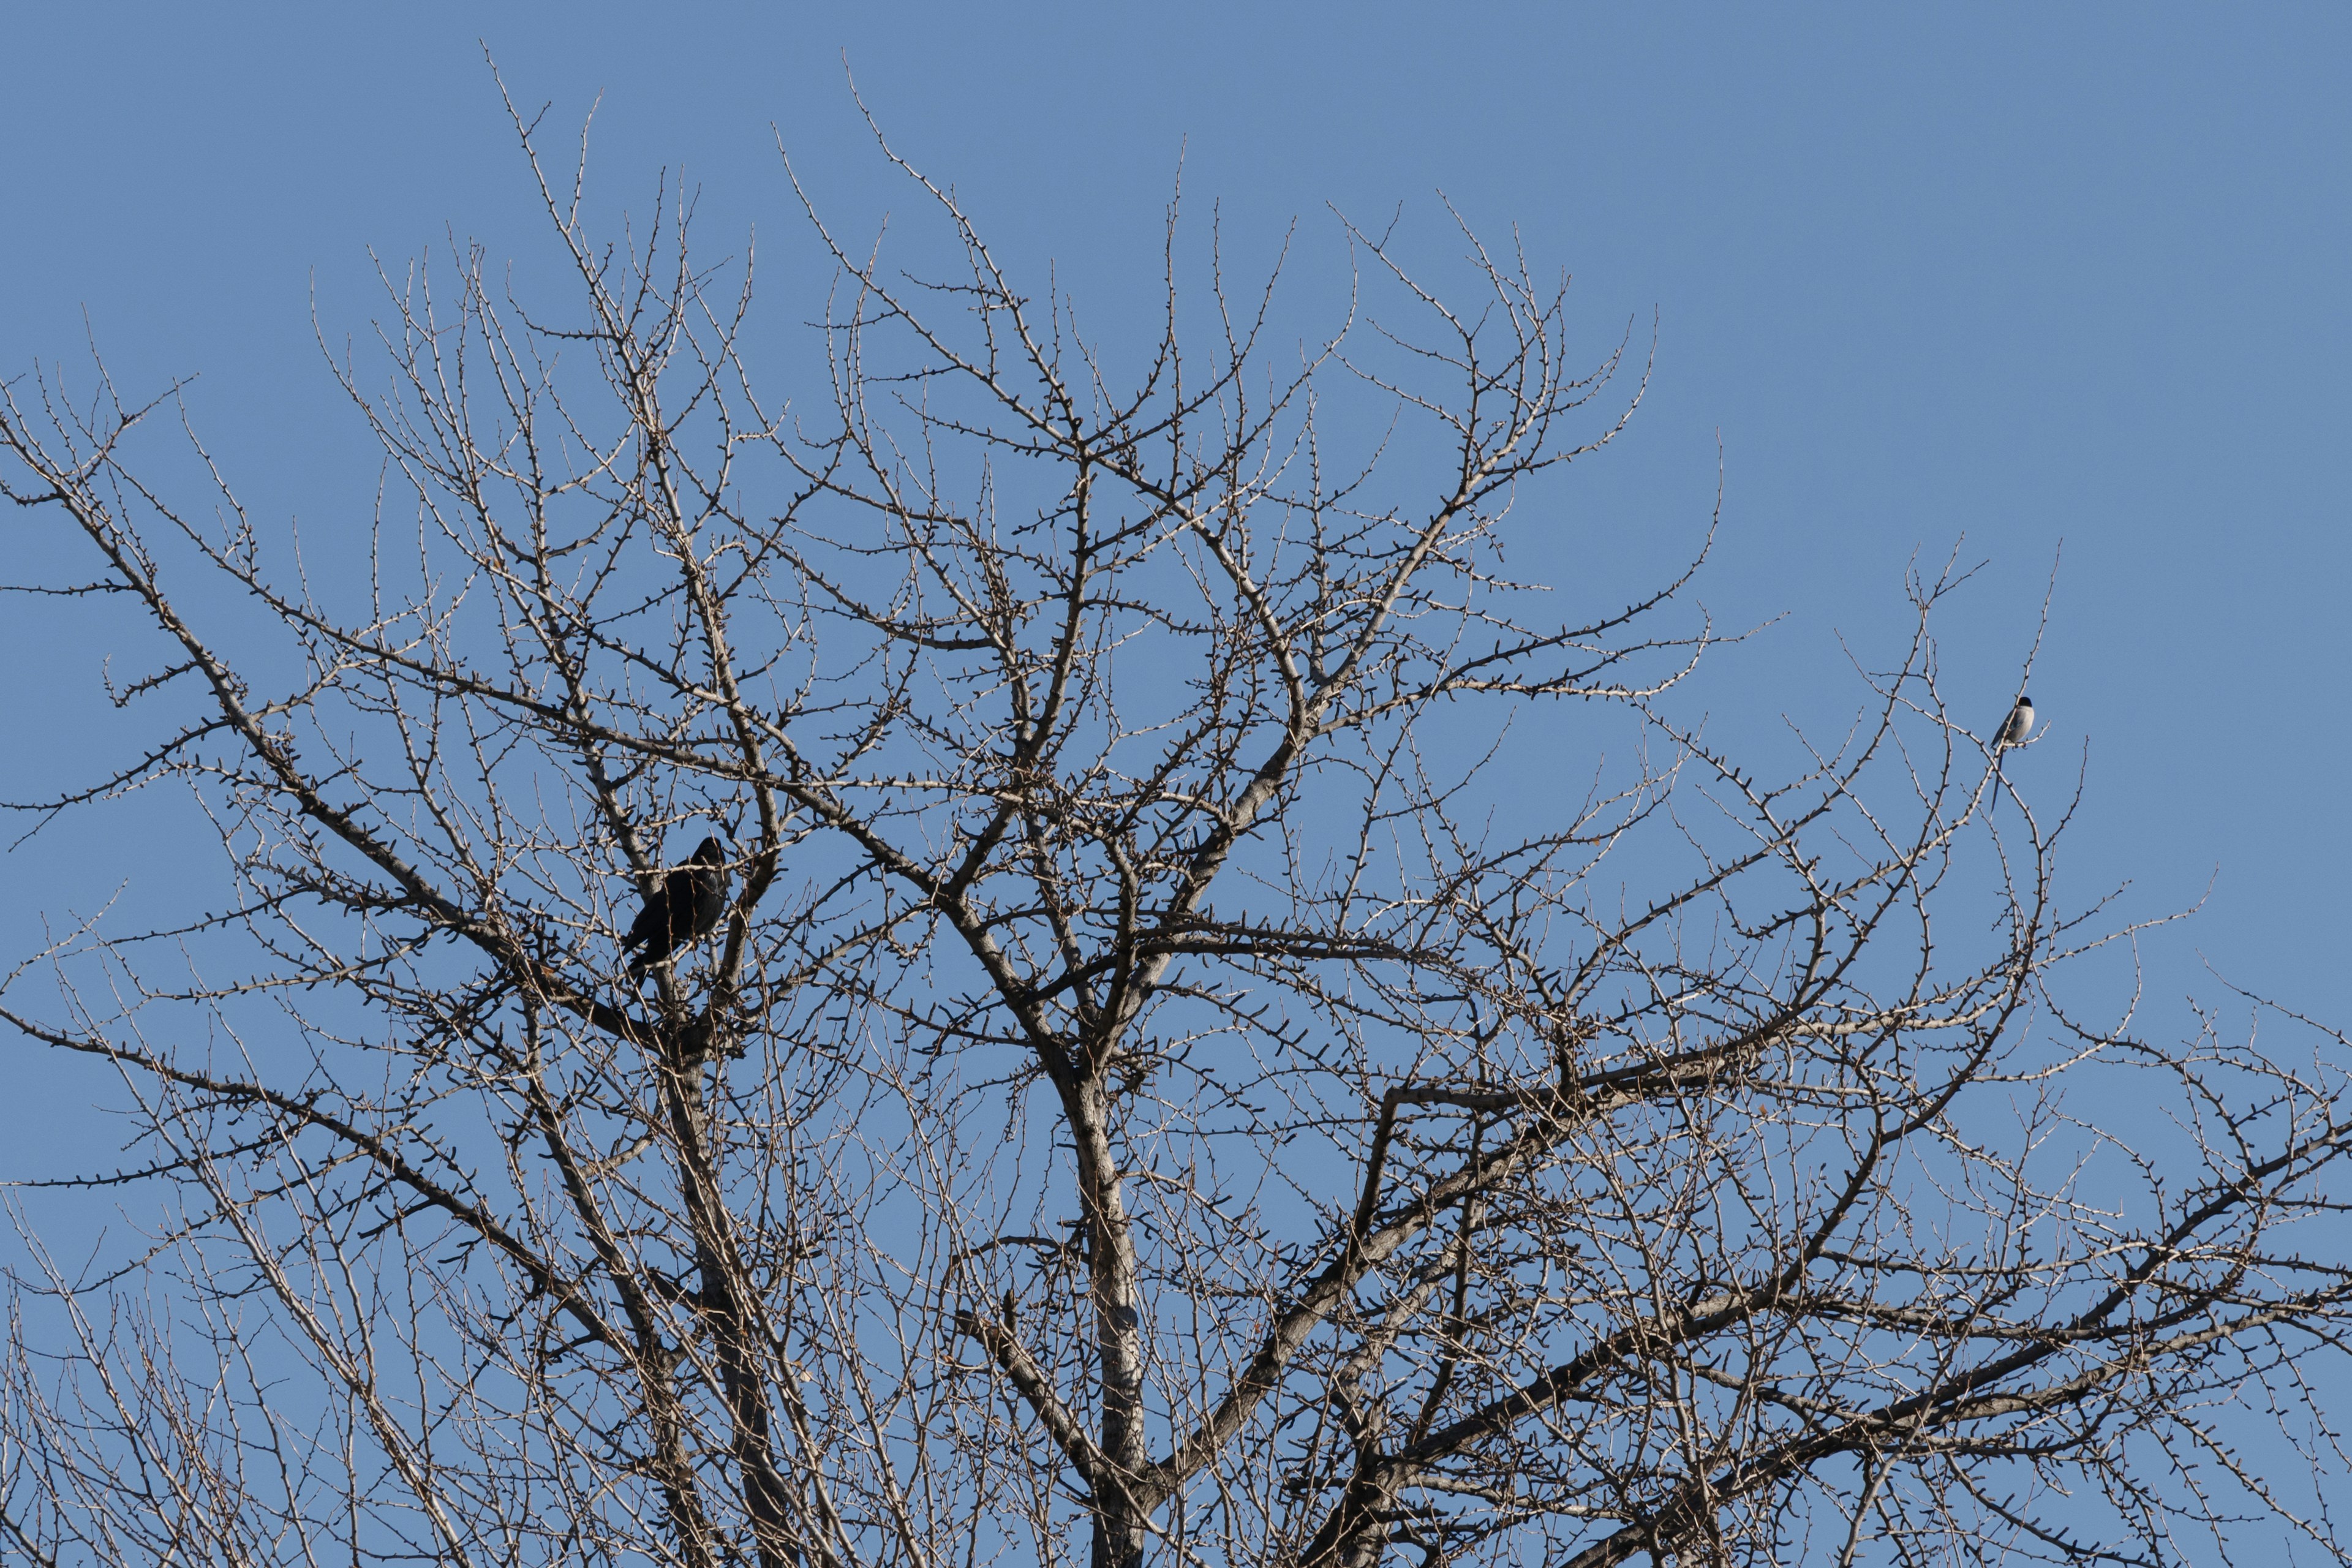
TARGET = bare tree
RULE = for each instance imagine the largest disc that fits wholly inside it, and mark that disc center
(1146, 1094)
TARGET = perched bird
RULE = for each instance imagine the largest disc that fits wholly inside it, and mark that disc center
(2020, 724)
(683, 909)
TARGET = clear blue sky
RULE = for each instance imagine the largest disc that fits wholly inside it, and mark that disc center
(2024, 274)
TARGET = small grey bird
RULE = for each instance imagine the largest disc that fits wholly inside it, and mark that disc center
(2020, 724)
(683, 911)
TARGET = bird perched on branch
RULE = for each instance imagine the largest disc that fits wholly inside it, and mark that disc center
(683, 911)
(2020, 724)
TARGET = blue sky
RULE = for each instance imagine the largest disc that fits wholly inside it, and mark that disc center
(2054, 287)
(2023, 275)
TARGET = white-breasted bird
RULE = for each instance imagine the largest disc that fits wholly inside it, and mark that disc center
(2019, 723)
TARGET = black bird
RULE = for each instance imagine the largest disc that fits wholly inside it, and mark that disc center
(683, 909)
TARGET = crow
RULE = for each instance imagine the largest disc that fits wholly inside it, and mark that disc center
(682, 911)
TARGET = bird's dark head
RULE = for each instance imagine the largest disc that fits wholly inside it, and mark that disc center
(2023, 700)
(709, 852)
